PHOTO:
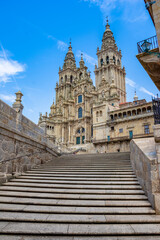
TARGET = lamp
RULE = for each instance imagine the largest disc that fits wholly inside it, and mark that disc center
(146, 46)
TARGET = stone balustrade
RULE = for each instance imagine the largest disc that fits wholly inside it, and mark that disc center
(146, 167)
(23, 145)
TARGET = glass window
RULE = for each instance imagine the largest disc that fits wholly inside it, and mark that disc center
(78, 140)
(102, 62)
(146, 129)
(80, 112)
(130, 134)
(71, 79)
(108, 138)
(114, 59)
(112, 128)
(91, 131)
(83, 130)
(78, 131)
(83, 138)
(107, 60)
(121, 130)
(79, 98)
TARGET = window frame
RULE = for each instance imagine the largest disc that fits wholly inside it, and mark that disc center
(80, 98)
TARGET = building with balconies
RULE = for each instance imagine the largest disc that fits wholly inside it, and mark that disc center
(149, 49)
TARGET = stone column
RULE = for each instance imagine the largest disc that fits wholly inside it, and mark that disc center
(18, 107)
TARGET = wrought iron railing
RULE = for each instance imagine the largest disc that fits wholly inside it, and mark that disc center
(156, 109)
(147, 44)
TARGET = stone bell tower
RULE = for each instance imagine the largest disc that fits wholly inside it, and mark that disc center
(109, 64)
(67, 75)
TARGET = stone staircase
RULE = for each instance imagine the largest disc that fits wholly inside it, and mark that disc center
(81, 197)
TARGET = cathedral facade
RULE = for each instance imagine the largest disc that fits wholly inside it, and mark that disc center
(84, 113)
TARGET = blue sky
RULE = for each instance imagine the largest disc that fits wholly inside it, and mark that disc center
(34, 37)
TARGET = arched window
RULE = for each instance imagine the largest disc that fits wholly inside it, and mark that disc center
(114, 59)
(61, 79)
(79, 98)
(80, 76)
(97, 114)
(101, 61)
(101, 113)
(118, 62)
(80, 112)
(107, 59)
(71, 79)
(78, 131)
(83, 130)
(65, 78)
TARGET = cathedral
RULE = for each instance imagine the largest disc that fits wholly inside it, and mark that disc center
(97, 115)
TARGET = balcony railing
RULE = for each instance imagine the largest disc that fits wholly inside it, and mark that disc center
(147, 44)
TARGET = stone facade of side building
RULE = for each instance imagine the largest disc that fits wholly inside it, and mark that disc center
(96, 115)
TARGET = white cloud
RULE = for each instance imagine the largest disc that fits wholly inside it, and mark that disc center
(9, 68)
(142, 89)
(62, 45)
(130, 82)
(30, 110)
(8, 98)
(128, 9)
(87, 58)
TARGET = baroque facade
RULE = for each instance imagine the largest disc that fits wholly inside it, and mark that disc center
(84, 113)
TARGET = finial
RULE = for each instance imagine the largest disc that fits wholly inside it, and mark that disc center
(107, 20)
(135, 96)
(70, 42)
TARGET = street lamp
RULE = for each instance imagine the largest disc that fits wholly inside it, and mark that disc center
(146, 46)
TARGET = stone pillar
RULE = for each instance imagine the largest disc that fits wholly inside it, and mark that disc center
(18, 107)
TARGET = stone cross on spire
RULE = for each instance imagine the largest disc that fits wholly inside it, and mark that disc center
(107, 20)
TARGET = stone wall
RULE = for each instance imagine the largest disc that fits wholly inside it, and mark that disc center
(23, 145)
(145, 165)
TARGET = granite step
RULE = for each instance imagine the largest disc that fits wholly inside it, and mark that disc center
(74, 218)
(39, 237)
(106, 179)
(83, 175)
(79, 229)
(89, 197)
(80, 202)
(91, 192)
(76, 210)
(85, 184)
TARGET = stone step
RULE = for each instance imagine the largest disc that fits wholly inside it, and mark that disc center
(57, 202)
(25, 237)
(122, 176)
(76, 210)
(48, 168)
(74, 184)
(74, 218)
(110, 190)
(59, 178)
(83, 173)
(72, 196)
(79, 229)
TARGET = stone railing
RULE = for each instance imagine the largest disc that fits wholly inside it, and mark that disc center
(146, 167)
(23, 145)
